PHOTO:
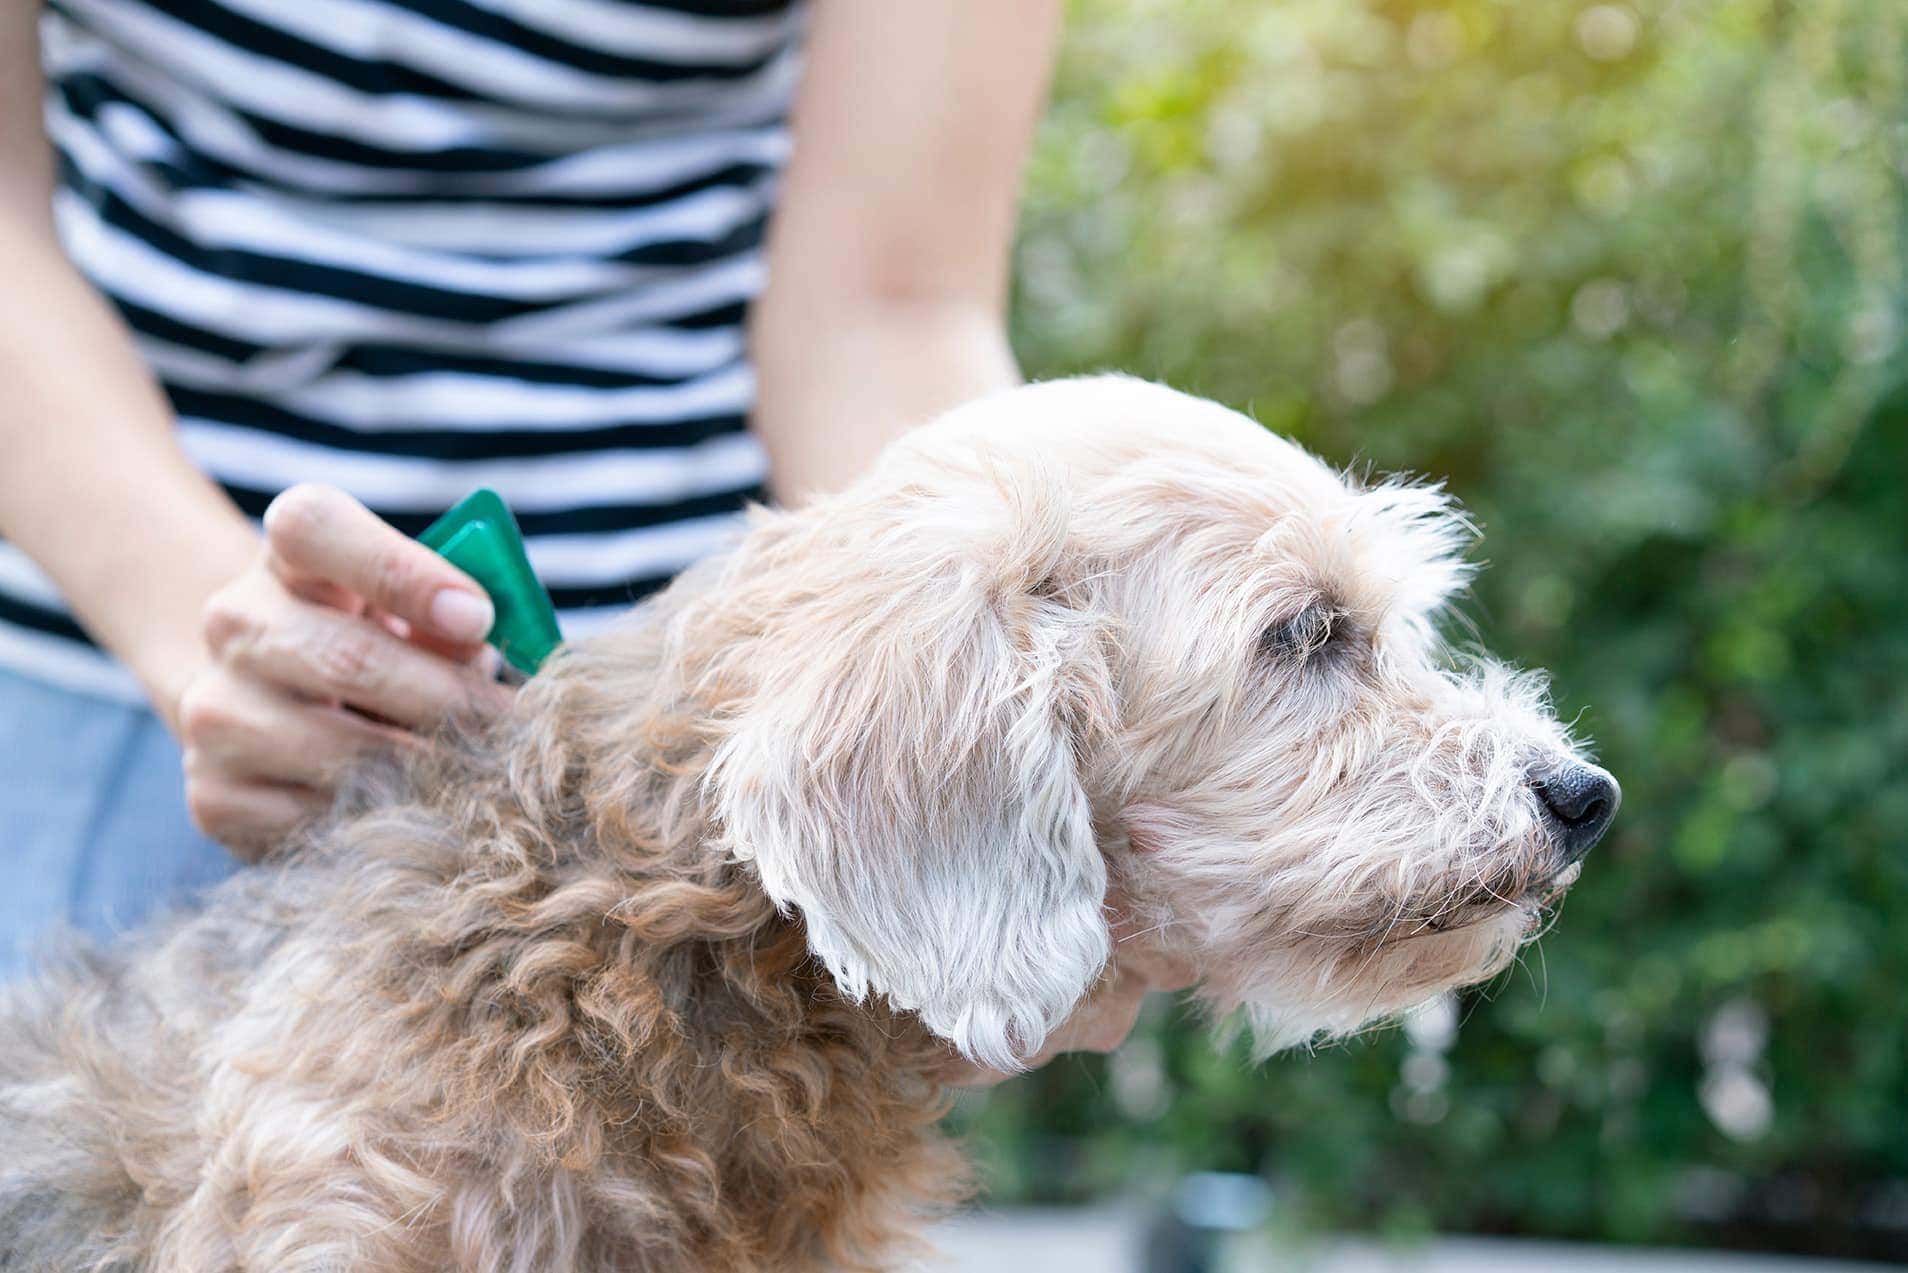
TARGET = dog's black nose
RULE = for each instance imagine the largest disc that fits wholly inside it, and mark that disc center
(1578, 801)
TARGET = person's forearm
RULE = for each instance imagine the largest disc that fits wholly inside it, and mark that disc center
(888, 254)
(93, 484)
(835, 386)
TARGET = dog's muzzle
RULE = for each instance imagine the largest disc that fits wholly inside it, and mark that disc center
(1577, 802)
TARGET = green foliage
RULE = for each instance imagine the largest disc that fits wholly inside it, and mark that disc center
(1631, 278)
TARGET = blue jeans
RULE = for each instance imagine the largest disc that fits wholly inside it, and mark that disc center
(93, 827)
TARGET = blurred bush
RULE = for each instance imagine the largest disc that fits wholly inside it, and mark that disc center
(1630, 277)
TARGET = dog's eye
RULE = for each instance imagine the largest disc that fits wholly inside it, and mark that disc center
(1303, 635)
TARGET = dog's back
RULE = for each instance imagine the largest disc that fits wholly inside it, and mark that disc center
(59, 1177)
(97, 1063)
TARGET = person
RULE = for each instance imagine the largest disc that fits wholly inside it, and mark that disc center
(286, 281)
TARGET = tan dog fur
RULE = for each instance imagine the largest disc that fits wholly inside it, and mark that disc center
(667, 969)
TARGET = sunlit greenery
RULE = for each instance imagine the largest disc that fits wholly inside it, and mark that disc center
(1630, 277)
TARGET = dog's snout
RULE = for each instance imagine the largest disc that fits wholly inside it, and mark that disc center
(1578, 802)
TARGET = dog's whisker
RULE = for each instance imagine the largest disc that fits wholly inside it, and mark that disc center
(1145, 932)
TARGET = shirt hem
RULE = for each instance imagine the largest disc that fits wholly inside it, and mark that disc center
(66, 665)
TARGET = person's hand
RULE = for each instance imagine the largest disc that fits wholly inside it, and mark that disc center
(1107, 1015)
(342, 637)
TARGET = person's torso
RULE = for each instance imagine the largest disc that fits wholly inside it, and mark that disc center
(412, 247)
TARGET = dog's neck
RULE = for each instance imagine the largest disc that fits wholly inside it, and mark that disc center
(579, 960)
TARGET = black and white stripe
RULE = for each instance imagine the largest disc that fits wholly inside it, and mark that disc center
(411, 247)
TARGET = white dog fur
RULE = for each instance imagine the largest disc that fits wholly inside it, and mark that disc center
(1083, 672)
(923, 782)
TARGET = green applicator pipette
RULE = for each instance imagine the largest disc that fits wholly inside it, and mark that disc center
(480, 538)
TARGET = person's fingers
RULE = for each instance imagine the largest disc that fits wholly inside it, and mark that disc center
(390, 623)
(246, 729)
(258, 629)
(318, 532)
(325, 593)
(249, 818)
(957, 1071)
(1111, 1021)
(457, 652)
(319, 654)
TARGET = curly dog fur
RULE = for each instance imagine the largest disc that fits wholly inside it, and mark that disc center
(666, 969)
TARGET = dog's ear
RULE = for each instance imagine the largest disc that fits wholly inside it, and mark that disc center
(903, 767)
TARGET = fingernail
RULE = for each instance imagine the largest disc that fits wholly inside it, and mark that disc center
(460, 615)
(490, 664)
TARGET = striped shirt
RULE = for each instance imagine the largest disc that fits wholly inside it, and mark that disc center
(412, 247)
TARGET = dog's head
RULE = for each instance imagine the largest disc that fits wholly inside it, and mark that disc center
(1097, 640)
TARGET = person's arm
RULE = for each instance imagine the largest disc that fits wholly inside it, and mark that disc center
(888, 256)
(93, 485)
(255, 651)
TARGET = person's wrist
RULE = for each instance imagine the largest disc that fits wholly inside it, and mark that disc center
(168, 651)
(165, 668)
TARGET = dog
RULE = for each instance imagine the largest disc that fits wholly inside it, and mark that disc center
(1088, 688)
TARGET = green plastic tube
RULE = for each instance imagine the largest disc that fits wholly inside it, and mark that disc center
(480, 538)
